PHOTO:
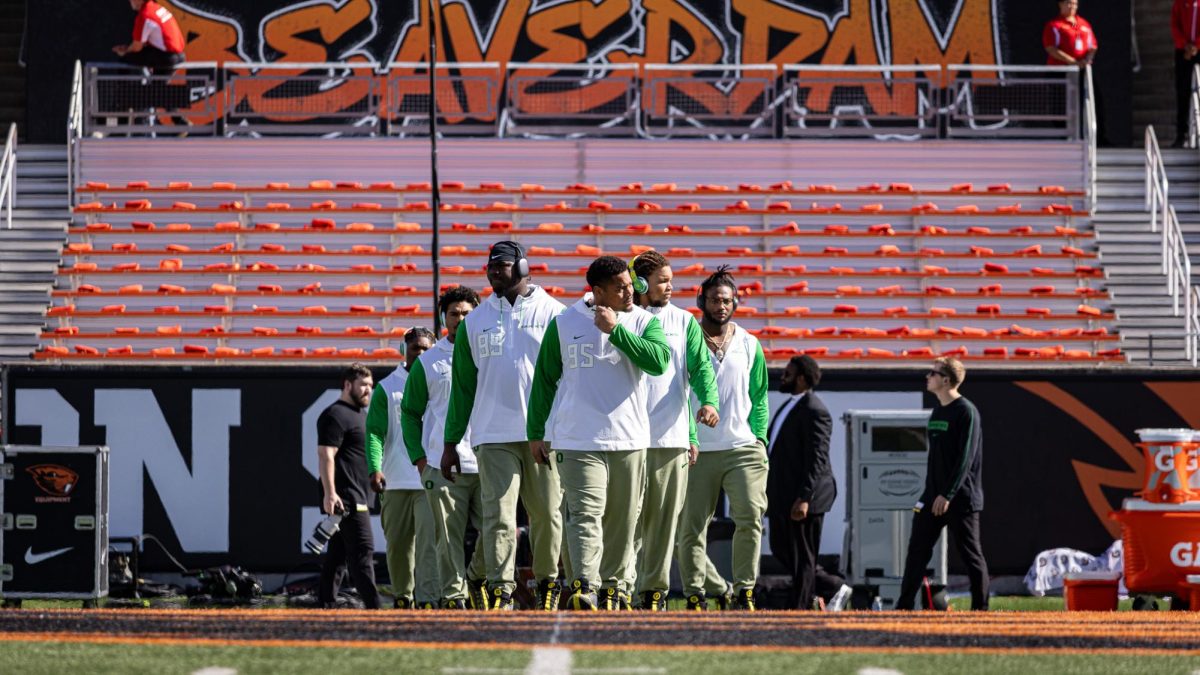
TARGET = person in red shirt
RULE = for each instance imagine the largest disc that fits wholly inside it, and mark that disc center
(1068, 38)
(157, 41)
(1185, 29)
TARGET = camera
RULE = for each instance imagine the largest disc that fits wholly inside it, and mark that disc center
(322, 533)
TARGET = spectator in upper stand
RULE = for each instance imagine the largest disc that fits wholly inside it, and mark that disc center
(1068, 38)
(1186, 32)
(157, 40)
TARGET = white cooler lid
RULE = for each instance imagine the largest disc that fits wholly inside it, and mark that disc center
(1092, 576)
(1143, 505)
(1165, 435)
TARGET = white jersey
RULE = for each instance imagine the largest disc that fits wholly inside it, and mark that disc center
(733, 390)
(601, 403)
(504, 340)
(398, 471)
(436, 366)
(667, 394)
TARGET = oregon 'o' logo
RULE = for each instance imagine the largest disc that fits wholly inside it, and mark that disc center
(428, 485)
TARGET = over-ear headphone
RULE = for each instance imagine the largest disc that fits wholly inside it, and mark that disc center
(521, 267)
(700, 298)
(639, 284)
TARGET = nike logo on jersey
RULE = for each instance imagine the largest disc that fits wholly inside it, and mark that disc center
(488, 330)
(576, 337)
(32, 558)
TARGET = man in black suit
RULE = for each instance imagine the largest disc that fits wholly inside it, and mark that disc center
(800, 485)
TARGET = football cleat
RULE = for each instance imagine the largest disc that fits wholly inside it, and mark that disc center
(624, 602)
(744, 600)
(696, 602)
(549, 591)
(477, 595)
(402, 603)
(610, 599)
(457, 603)
(725, 600)
(582, 596)
(654, 601)
(501, 601)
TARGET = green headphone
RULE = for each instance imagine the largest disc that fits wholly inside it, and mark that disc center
(639, 284)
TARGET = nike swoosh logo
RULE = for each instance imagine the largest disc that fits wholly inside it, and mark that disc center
(576, 337)
(32, 558)
(487, 330)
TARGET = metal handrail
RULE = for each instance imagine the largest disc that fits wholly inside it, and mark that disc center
(1090, 131)
(1194, 117)
(1157, 185)
(74, 130)
(1192, 345)
(8, 175)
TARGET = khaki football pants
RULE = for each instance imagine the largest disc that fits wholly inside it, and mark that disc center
(454, 506)
(411, 544)
(602, 490)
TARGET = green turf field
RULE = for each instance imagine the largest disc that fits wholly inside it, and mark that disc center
(57, 658)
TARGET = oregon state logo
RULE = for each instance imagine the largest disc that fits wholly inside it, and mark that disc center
(57, 481)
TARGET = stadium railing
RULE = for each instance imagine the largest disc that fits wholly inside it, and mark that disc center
(1194, 117)
(647, 100)
(8, 175)
(1091, 133)
(1176, 262)
(900, 102)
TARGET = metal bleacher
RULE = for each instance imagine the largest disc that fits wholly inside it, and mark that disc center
(857, 250)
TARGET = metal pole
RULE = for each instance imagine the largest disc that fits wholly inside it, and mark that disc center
(435, 188)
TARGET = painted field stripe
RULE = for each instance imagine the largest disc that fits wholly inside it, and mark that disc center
(175, 640)
(549, 661)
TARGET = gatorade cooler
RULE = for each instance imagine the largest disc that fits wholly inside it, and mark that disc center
(1170, 462)
(1162, 546)
(1091, 591)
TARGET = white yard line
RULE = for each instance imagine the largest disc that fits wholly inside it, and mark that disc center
(215, 670)
(550, 661)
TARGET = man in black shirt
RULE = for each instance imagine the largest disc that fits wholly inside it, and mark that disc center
(953, 486)
(342, 458)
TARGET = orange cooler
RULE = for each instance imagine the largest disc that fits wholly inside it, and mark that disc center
(1091, 591)
(1161, 545)
(1170, 463)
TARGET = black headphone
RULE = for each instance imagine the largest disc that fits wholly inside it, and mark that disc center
(700, 298)
(521, 267)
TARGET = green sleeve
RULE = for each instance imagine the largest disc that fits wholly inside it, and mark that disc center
(760, 412)
(700, 372)
(648, 351)
(692, 439)
(412, 411)
(464, 377)
(546, 375)
(377, 428)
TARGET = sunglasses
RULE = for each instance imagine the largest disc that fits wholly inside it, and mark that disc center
(936, 372)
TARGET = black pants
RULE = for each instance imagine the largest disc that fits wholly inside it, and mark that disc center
(806, 544)
(351, 549)
(153, 58)
(1183, 94)
(964, 534)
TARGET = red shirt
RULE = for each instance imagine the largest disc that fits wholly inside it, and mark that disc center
(1075, 40)
(1184, 22)
(157, 28)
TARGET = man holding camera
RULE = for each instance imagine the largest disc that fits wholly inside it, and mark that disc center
(342, 460)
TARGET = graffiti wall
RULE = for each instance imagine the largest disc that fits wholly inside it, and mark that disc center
(731, 32)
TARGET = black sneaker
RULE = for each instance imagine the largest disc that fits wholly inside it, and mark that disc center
(624, 602)
(457, 603)
(725, 600)
(501, 601)
(696, 602)
(744, 600)
(582, 596)
(609, 600)
(654, 601)
(549, 591)
(477, 595)
(402, 603)
(428, 604)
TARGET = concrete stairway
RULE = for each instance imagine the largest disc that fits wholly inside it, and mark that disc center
(1154, 86)
(31, 250)
(1131, 253)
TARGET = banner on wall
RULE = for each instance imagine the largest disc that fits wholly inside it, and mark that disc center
(595, 32)
(221, 463)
